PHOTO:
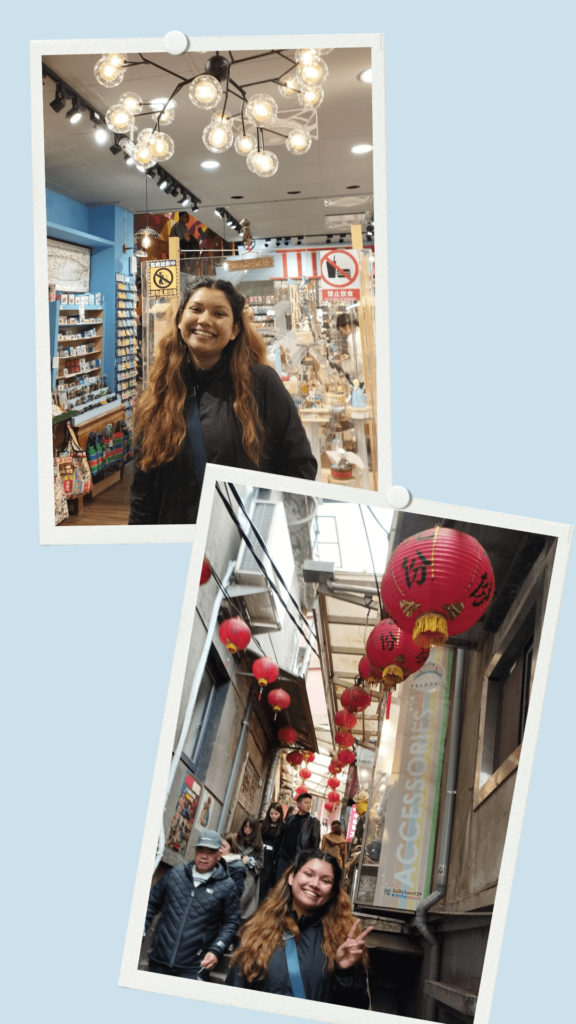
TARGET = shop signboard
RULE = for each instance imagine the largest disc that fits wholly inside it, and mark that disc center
(339, 275)
(184, 814)
(406, 860)
(163, 279)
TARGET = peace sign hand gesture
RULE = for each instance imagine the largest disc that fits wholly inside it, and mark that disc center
(352, 948)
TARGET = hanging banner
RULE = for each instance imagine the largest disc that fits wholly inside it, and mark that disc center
(339, 275)
(163, 279)
(406, 860)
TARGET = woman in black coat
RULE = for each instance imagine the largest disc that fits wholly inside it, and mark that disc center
(211, 397)
(272, 836)
(231, 854)
(308, 916)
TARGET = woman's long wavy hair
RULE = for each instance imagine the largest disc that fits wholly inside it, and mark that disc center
(159, 424)
(262, 934)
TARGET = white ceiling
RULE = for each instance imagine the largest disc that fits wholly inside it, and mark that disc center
(76, 166)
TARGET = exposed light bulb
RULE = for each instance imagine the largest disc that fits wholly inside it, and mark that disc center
(162, 146)
(119, 119)
(313, 73)
(311, 97)
(205, 92)
(306, 56)
(132, 101)
(244, 144)
(263, 163)
(217, 137)
(298, 141)
(290, 86)
(146, 241)
(109, 70)
(261, 109)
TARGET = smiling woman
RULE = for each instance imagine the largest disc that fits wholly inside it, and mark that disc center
(210, 398)
(303, 940)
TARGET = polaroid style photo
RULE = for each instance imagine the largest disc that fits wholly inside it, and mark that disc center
(345, 755)
(294, 265)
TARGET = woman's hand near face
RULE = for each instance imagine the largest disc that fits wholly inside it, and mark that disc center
(245, 859)
(352, 948)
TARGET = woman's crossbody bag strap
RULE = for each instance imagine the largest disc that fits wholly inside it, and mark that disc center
(196, 440)
(293, 966)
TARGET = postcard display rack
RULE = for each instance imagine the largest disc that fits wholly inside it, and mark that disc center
(126, 355)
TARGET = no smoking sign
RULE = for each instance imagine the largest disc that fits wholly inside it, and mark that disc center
(339, 271)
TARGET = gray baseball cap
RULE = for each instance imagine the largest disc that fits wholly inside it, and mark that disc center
(209, 839)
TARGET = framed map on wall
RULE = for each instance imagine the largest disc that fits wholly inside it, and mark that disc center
(68, 266)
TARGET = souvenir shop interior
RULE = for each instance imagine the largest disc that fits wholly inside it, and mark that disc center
(256, 167)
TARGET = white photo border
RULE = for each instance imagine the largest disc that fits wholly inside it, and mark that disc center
(178, 534)
(130, 975)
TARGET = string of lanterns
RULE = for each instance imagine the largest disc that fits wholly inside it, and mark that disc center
(258, 113)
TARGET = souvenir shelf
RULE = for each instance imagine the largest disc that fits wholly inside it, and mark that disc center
(78, 384)
(126, 354)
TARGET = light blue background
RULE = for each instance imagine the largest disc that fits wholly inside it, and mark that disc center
(481, 208)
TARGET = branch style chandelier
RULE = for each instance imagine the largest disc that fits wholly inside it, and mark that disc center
(245, 130)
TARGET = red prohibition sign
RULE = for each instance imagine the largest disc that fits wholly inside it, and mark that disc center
(350, 276)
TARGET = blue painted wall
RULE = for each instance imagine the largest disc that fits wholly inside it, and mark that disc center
(110, 225)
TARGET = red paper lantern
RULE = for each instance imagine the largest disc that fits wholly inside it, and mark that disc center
(394, 653)
(365, 668)
(288, 735)
(304, 773)
(345, 719)
(301, 789)
(294, 757)
(333, 783)
(265, 671)
(346, 757)
(279, 700)
(308, 755)
(355, 699)
(334, 766)
(344, 738)
(334, 798)
(234, 634)
(438, 583)
(205, 572)
(330, 807)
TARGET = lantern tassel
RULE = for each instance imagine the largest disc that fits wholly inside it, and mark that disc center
(430, 629)
(388, 703)
(391, 675)
(260, 694)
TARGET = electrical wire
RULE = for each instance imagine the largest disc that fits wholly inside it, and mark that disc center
(267, 553)
(374, 516)
(373, 565)
(259, 562)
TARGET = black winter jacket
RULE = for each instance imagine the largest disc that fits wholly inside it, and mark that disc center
(344, 987)
(195, 920)
(170, 493)
(308, 837)
(272, 844)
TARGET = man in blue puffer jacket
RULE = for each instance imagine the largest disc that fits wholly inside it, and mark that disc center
(199, 913)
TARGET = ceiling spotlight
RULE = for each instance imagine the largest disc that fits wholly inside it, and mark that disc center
(278, 240)
(195, 207)
(100, 135)
(173, 192)
(115, 148)
(184, 201)
(218, 212)
(74, 114)
(364, 147)
(365, 76)
(163, 184)
(209, 165)
(150, 173)
(59, 101)
(265, 245)
(129, 159)
(230, 222)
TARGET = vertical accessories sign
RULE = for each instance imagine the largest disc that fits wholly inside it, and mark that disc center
(406, 861)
